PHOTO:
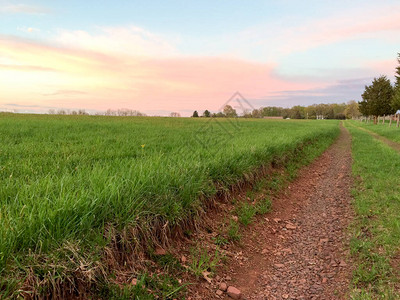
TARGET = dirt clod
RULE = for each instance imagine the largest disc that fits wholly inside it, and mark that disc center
(223, 286)
(290, 226)
(234, 293)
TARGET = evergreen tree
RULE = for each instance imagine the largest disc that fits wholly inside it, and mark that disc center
(396, 95)
(195, 114)
(206, 114)
(377, 98)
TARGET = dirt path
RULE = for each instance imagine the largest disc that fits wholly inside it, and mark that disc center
(394, 145)
(297, 251)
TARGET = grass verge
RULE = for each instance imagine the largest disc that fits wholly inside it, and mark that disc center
(391, 133)
(375, 244)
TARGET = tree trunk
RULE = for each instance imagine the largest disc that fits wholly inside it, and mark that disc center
(390, 122)
(398, 119)
(376, 119)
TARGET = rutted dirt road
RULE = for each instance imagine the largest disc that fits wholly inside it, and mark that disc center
(298, 250)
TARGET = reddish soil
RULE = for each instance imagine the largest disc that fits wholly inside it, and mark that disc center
(300, 249)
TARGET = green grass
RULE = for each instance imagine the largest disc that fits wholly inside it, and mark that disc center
(233, 231)
(376, 230)
(69, 183)
(392, 133)
(247, 211)
(162, 287)
(201, 261)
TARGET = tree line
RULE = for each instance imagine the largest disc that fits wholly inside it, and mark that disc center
(381, 98)
(347, 110)
(122, 112)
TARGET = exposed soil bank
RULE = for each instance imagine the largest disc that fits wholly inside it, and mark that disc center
(299, 250)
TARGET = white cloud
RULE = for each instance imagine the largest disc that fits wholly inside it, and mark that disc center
(279, 39)
(131, 40)
(23, 8)
(28, 29)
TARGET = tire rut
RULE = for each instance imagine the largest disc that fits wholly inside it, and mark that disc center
(390, 143)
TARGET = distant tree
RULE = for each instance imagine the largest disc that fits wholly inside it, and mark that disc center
(52, 111)
(352, 110)
(61, 112)
(297, 112)
(206, 114)
(338, 110)
(377, 98)
(175, 115)
(247, 113)
(396, 93)
(110, 112)
(218, 115)
(82, 112)
(311, 112)
(256, 113)
(229, 112)
(123, 112)
(195, 114)
(272, 111)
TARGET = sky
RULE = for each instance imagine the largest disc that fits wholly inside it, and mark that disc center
(179, 56)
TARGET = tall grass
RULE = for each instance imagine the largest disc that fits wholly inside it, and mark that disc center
(65, 178)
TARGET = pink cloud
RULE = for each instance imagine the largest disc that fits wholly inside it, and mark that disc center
(381, 23)
(112, 80)
(384, 67)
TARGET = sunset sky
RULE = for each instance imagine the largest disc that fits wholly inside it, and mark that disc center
(164, 56)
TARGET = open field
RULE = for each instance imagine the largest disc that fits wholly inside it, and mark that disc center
(70, 184)
(376, 229)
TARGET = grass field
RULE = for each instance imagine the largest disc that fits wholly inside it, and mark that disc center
(376, 230)
(66, 180)
(392, 133)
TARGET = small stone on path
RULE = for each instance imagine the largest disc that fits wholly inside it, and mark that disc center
(234, 293)
(290, 226)
(223, 286)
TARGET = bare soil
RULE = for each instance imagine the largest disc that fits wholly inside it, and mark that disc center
(300, 249)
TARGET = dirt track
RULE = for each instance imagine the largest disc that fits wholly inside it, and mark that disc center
(297, 252)
(393, 144)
